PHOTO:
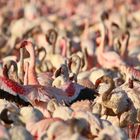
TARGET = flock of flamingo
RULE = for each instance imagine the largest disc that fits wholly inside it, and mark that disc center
(70, 70)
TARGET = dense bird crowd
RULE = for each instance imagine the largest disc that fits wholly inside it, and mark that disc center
(69, 70)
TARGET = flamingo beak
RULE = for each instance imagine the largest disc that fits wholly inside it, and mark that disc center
(58, 72)
(98, 81)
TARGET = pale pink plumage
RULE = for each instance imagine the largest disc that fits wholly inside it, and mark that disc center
(107, 59)
(110, 59)
(4, 133)
(40, 127)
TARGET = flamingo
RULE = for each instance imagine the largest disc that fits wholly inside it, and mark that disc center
(43, 78)
(131, 57)
(87, 46)
(75, 66)
(12, 73)
(10, 115)
(55, 59)
(32, 76)
(19, 90)
(17, 93)
(107, 59)
(30, 115)
(131, 74)
(8, 91)
(17, 63)
(111, 59)
(73, 90)
(23, 65)
(62, 130)
(112, 102)
(40, 127)
(37, 93)
(41, 66)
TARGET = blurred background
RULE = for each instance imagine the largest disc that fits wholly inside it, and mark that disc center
(19, 16)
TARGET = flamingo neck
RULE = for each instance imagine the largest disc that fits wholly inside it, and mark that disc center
(86, 31)
(63, 45)
(102, 44)
(44, 55)
(26, 74)
(109, 90)
(21, 63)
(110, 36)
(77, 66)
(85, 59)
(32, 77)
(109, 81)
(124, 48)
(32, 56)
(10, 83)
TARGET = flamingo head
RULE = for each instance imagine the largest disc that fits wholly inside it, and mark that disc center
(51, 36)
(63, 70)
(27, 44)
(23, 43)
(125, 35)
(104, 15)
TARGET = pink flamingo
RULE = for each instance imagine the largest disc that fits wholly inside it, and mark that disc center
(56, 59)
(63, 45)
(10, 88)
(108, 59)
(131, 74)
(40, 127)
(33, 91)
(74, 67)
(111, 59)
(87, 46)
(73, 90)
(125, 53)
(32, 78)
(37, 93)
(12, 73)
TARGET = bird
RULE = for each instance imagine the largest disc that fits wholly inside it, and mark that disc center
(55, 58)
(10, 88)
(107, 59)
(75, 92)
(36, 93)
